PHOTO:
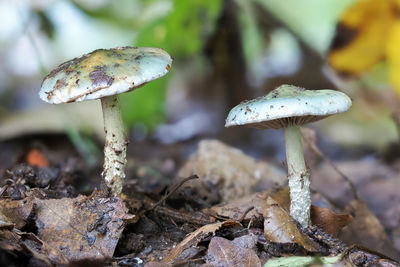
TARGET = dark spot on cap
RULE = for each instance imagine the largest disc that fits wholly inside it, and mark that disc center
(248, 109)
(77, 82)
(272, 106)
(116, 65)
(138, 57)
(49, 95)
(68, 70)
(100, 78)
(168, 67)
(59, 83)
(282, 106)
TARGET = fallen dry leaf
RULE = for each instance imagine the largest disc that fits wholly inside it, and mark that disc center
(194, 238)
(366, 230)
(360, 256)
(230, 170)
(16, 211)
(279, 227)
(82, 227)
(21, 243)
(9, 241)
(235, 209)
(329, 221)
(222, 252)
(43, 251)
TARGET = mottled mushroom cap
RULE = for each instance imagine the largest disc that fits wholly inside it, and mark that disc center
(104, 72)
(288, 105)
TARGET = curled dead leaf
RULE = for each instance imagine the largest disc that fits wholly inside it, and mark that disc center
(279, 227)
(194, 238)
(329, 221)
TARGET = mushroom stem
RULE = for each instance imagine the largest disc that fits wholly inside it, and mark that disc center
(299, 181)
(115, 145)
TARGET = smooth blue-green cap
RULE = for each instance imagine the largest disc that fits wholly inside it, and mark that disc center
(288, 105)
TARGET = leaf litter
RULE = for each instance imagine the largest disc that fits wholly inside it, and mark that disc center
(167, 230)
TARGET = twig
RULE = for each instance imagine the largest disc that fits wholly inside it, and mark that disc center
(173, 190)
(319, 153)
(245, 213)
(197, 218)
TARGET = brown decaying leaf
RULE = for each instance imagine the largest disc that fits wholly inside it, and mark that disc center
(236, 208)
(222, 252)
(42, 250)
(367, 231)
(15, 242)
(82, 227)
(360, 256)
(16, 211)
(280, 228)
(230, 170)
(194, 238)
(330, 222)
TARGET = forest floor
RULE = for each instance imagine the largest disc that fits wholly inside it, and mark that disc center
(196, 203)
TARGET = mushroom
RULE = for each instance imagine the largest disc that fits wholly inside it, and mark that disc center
(103, 74)
(288, 107)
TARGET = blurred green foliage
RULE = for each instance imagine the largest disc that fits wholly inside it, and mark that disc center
(182, 33)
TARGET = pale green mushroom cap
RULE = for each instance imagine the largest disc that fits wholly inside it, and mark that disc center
(104, 72)
(288, 105)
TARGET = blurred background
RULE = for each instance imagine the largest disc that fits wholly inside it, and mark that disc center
(225, 51)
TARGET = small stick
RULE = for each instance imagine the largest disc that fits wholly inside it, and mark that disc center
(196, 218)
(173, 190)
(245, 213)
(319, 153)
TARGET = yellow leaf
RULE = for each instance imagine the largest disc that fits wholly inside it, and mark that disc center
(393, 55)
(362, 35)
